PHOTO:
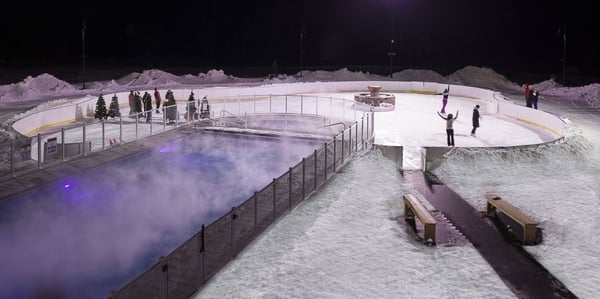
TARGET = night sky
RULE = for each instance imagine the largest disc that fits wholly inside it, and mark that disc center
(506, 35)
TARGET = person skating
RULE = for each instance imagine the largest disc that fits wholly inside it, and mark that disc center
(476, 118)
(449, 128)
(445, 95)
(527, 89)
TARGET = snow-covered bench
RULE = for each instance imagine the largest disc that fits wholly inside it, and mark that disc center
(529, 225)
(412, 208)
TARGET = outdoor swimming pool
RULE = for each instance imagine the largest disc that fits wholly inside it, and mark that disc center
(85, 235)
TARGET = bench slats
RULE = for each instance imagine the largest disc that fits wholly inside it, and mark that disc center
(414, 206)
(529, 224)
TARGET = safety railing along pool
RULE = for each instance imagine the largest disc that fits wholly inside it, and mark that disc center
(86, 135)
(186, 270)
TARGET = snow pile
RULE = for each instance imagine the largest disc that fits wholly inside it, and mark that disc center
(482, 77)
(339, 75)
(46, 87)
(419, 75)
(149, 78)
(34, 88)
(216, 76)
(589, 93)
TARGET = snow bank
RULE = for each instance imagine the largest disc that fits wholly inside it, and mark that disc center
(482, 77)
(35, 88)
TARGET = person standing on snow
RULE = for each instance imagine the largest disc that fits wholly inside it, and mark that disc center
(131, 103)
(527, 89)
(445, 99)
(147, 100)
(157, 99)
(476, 118)
(449, 128)
(534, 98)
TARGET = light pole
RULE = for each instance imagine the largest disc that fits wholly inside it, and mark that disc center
(564, 60)
(301, 51)
(83, 53)
(391, 54)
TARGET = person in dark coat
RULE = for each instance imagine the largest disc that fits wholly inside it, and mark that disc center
(534, 98)
(170, 107)
(147, 100)
(527, 89)
(157, 99)
(476, 118)
(449, 127)
(138, 104)
(131, 103)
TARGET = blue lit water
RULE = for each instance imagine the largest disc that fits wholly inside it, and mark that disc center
(85, 235)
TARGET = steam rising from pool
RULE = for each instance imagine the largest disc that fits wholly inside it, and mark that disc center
(85, 235)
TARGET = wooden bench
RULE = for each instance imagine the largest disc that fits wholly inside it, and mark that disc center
(529, 225)
(412, 208)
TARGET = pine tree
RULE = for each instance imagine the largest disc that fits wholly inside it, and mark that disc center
(100, 112)
(113, 109)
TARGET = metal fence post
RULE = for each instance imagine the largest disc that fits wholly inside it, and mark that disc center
(231, 236)
(255, 213)
(274, 198)
(103, 136)
(362, 131)
(84, 139)
(62, 137)
(121, 130)
(303, 178)
(12, 158)
(136, 125)
(202, 250)
(301, 104)
(315, 186)
(164, 117)
(290, 188)
(286, 103)
(349, 140)
(341, 162)
(335, 150)
(39, 142)
(270, 103)
(356, 136)
(326, 150)
(163, 285)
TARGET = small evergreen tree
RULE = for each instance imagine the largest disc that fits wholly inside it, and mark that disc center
(113, 109)
(100, 112)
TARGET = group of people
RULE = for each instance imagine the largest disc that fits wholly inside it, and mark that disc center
(531, 96)
(141, 105)
(450, 118)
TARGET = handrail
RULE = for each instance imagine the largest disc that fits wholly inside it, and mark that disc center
(224, 113)
(331, 125)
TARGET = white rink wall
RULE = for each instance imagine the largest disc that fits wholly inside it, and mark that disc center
(33, 123)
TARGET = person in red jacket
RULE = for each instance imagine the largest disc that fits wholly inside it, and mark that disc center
(527, 89)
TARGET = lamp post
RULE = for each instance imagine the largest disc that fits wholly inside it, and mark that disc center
(83, 53)
(564, 60)
(391, 54)
(301, 51)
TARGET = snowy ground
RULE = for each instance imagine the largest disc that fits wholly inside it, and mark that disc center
(346, 241)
